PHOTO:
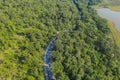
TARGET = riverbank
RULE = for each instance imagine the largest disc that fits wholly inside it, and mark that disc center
(113, 8)
(115, 33)
(111, 4)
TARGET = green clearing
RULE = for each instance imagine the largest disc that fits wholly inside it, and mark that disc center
(115, 34)
(112, 4)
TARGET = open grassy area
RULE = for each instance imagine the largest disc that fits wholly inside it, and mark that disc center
(112, 4)
(115, 33)
(115, 8)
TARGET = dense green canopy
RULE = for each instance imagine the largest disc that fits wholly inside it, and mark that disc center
(86, 52)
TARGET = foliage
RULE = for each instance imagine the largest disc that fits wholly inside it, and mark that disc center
(87, 52)
(27, 26)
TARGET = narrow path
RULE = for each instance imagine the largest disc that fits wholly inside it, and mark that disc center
(47, 57)
(47, 60)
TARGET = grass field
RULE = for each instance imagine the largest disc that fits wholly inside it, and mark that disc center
(112, 4)
(115, 33)
(115, 8)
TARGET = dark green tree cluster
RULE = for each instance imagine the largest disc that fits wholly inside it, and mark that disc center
(26, 28)
(87, 52)
(90, 2)
(94, 2)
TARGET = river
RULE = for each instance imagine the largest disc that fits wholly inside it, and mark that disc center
(110, 15)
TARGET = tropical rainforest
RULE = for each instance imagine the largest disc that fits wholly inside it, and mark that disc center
(86, 51)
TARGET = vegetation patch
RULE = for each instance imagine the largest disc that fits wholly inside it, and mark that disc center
(111, 4)
(83, 53)
(115, 33)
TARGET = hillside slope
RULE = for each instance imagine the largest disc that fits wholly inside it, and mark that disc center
(27, 26)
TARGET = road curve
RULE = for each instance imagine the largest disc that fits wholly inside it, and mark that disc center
(47, 57)
(47, 60)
